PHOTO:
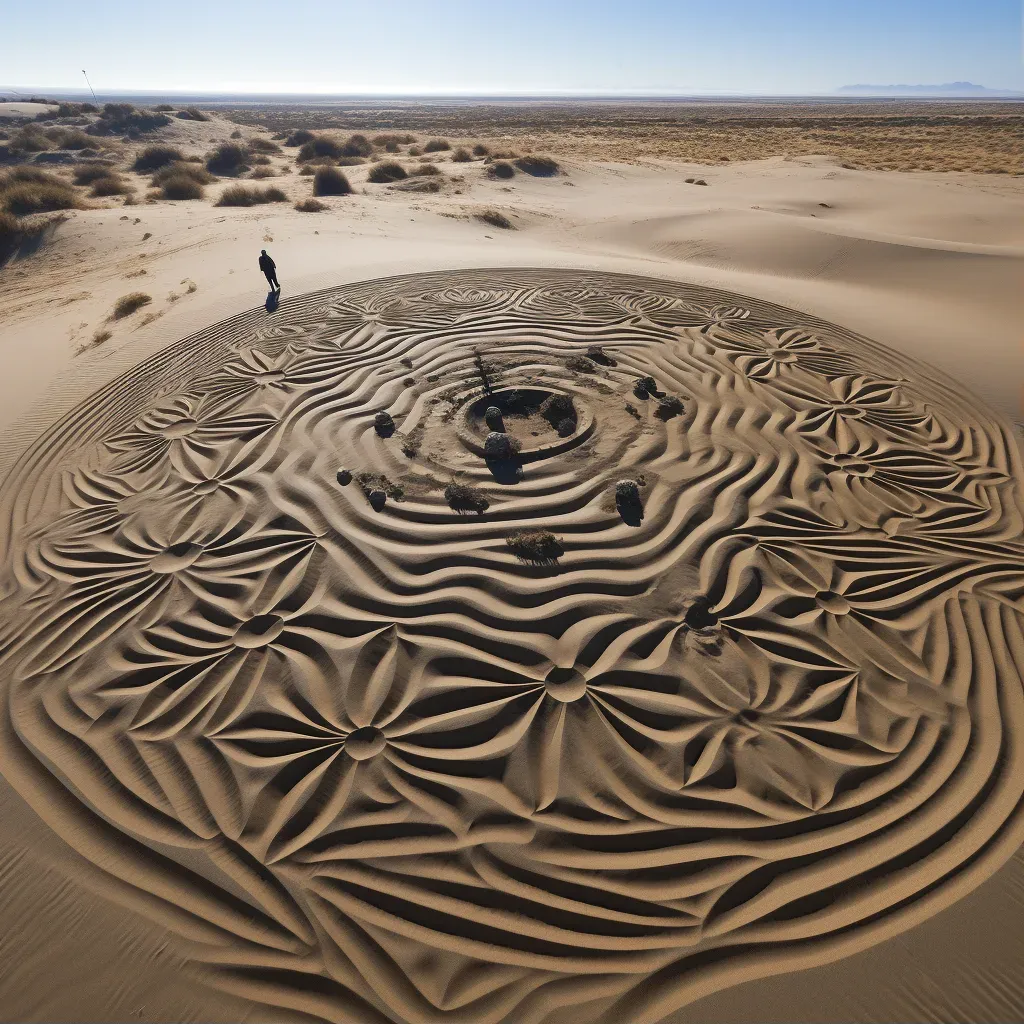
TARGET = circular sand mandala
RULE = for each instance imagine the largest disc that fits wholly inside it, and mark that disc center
(472, 646)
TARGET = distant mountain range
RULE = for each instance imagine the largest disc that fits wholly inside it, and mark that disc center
(949, 89)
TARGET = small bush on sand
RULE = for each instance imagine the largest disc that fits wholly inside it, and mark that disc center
(74, 139)
(193, 114)
(299, 137)
(392, 147)
(426, 169)
(258, 145)
(463, 498)
(501, 169)
(496, 219)
(357, 145)
(461, 156)
(195, 172)
(28, 197)
(124, 119)
(152, 158)
(111, 185)
(556, 408)
(164, 108)
(393, 138)
(310, 206)
(86, 174)
(537, 546)
(480, 150)
(436, 146)
(415, 151)
(627, 493)
(321, 145)
(329, 181)
(500, 446)
(28, 175)
(29, 139)
(128, 304)
(228, 158)
(240, 195)
(385, 172)
(538, 166)
(669, 407)
(645, 387)
(263, 172)
(259, 160)
(383, 423)
(181, 187)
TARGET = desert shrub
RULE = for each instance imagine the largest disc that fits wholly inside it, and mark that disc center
(74, 139)
(29, 140)
(310, 206)
(308, 170)
(240, 195)
(538, 166)
(501, 446)
(400, 139)
(228, 158)
(421, 185)
(426, 169)
(28, 175)
(69, 109)
(357, 145)
(645, 387)
(193, 114)
(86, 174)
(258, 145)
(385, 172)
(493, 418)
(163, 107)
(537, 546)
(415, 151)
(480, 150)
(436, 146)
(501, 169)
(111, 185)
(27, 197)
(123, 118)
(580, 364)
(496, 219)
(463, 498)
(321, 145)
(12, 233)
(329, 181)
(299, 137)
(392, 147)
(260, 160)
(128, 304)
(152, 158)
(350, 161)
(461, 156)
(384, 424)
(556, 408)
(181, 187)
(669, 407)
(195, 172)
(263, 172)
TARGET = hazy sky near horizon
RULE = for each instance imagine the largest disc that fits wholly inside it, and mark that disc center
(520, 46)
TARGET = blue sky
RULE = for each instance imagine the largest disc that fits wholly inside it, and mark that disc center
(512, 46)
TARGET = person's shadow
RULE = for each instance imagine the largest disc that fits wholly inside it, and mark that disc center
(273, 299)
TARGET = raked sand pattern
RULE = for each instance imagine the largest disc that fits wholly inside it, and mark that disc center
(379, 768)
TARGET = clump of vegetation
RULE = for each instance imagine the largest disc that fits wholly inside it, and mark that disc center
(193, 114)
(501, 169)
(299, 137)
(370, 482)
(69, 109)
(645, 387)
(669, 407)
(86, 174)
(152, 158)
(350, 161)
(415, 151)
(556, 409)
(385, 172)
(164, 107)
(383, 424)
(29, 139)
(538, 546)
(258, 145)
(111, 185)
(228, 158)
(69, 138)
(463, 498)
(329, 181)
(500, 446)
(496, 219)
(538, 166)
(461, 156)
(357, 145)
(240, 195)
(181, 186)
(193, 172)
(393, 139)
(480, 150)
(14, 233)
(580, 364)
(128, 304)
(628, 502)
(436, 146)
(319, 146)
(425, 169)
(25, 190)
(124, 119)
(310, 206)
(262, 172)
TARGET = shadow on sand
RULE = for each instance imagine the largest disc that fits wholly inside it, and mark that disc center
(273, 300)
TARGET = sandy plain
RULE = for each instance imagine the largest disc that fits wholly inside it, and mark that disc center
(184, 845)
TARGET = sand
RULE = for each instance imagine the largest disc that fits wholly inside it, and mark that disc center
(356, 759)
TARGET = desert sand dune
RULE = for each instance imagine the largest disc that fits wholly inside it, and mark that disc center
(751, 701)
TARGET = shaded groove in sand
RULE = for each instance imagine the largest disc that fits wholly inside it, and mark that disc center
(615, 781)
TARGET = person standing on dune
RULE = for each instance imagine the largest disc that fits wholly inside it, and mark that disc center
(269, 268)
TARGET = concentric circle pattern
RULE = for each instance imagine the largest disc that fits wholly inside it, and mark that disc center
(379, 768)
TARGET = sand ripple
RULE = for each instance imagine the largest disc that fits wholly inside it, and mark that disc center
(379, 768)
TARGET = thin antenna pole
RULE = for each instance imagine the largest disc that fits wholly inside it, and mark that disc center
(88, 83)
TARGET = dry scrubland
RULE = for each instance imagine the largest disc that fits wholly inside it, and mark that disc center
(879, 135)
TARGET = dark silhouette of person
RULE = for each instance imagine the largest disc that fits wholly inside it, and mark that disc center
(269, 268)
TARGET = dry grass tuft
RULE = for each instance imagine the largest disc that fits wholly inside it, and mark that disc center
(111, 185)
(263, 172)
(152, 158)
(437, 146)
(311, 206)
(240, 195)
(426, 169)
(86, 174)
(24, 191)
(496, 219)
(461, 156)
(258, 145)
(329, 181)
(128, 304)
(480, 150)
(195, 172)
(179, 187)
(501, 169)
(538, 166)
(192, 114)
(385, 172)
(228, 159)
(299, 138)
(537, 546)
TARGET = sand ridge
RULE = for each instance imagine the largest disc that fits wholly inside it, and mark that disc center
(381, 769)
